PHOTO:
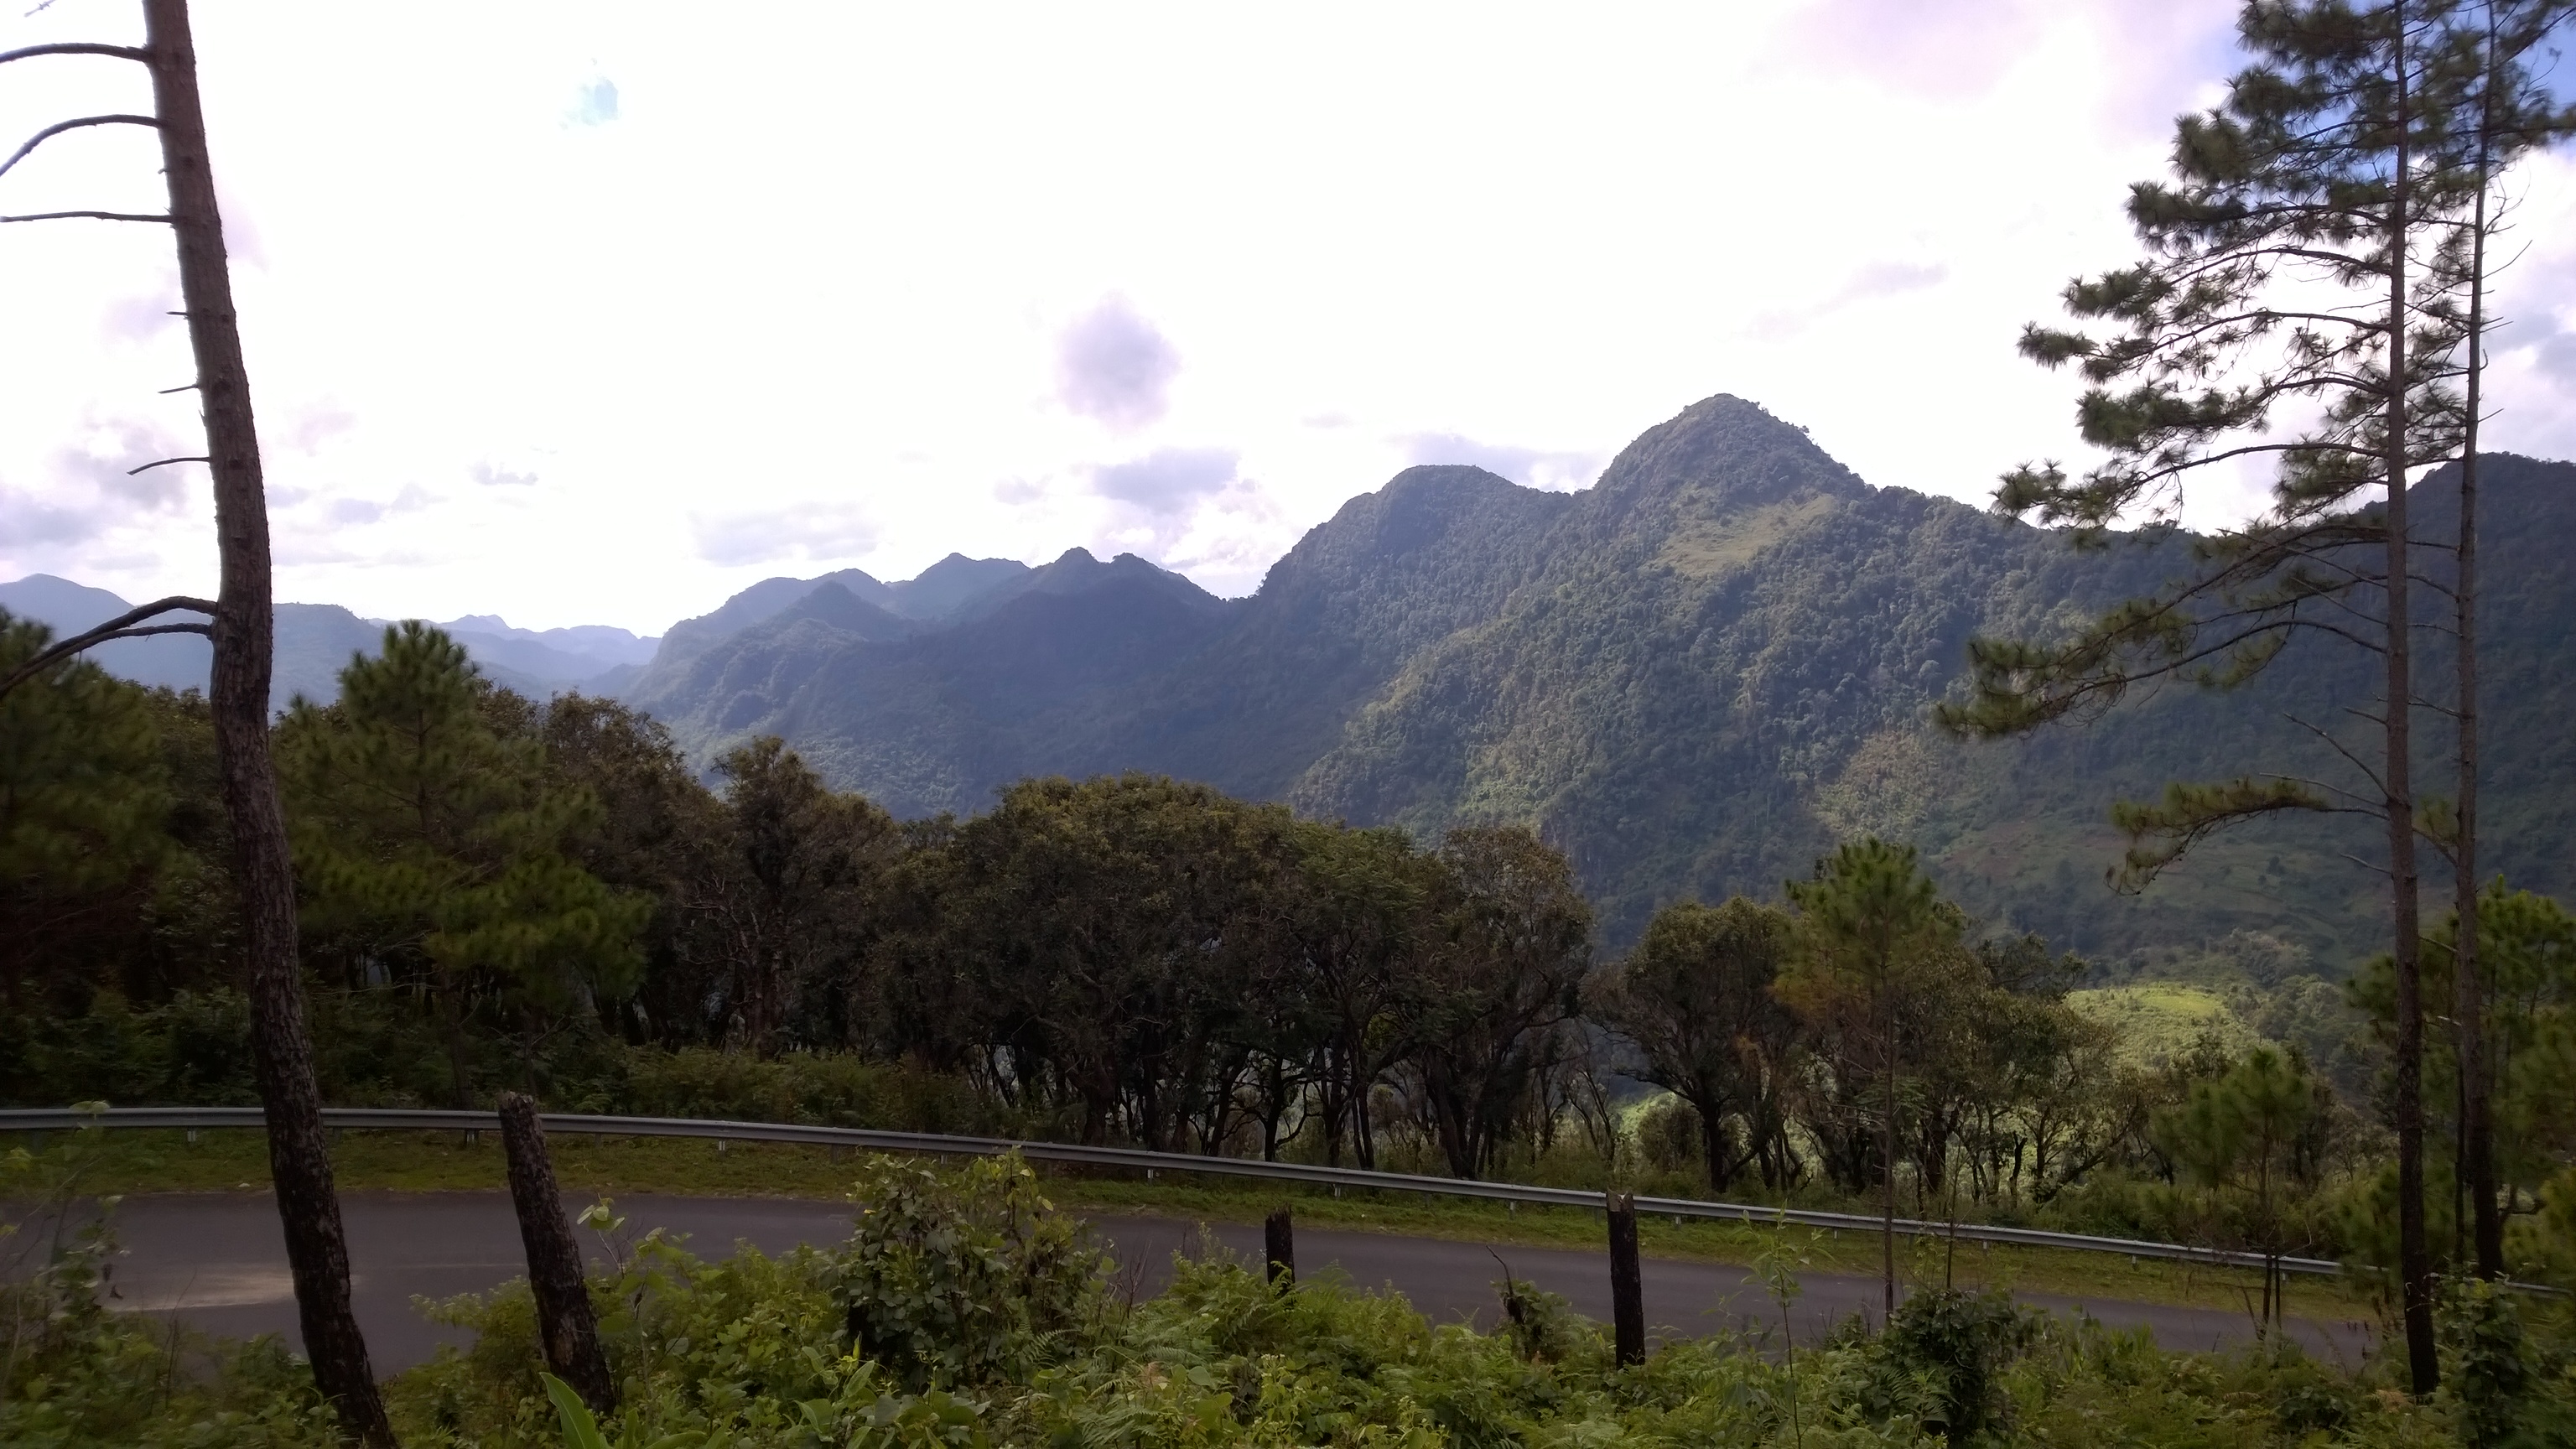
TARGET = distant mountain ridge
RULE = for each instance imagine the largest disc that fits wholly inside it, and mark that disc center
(1694, 677)
(315, 642)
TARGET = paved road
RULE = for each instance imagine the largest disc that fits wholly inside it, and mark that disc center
(219, 1262)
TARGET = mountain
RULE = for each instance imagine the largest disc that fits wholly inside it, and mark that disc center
(1694, 677)
(316, 641)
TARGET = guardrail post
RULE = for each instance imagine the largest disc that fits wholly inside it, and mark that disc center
(1279, 1246)
(566, 1322)
(1627, 1282)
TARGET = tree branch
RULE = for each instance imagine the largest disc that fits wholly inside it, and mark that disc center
(77, 47)
(163, 463)
(123, 626)
(59, 127)
(90, 215)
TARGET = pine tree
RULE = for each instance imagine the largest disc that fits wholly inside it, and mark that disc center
(429, 842)
(2287, 273)
(1875, 941)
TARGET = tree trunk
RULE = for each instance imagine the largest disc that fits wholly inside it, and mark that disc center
(2414, 1252)
(566, 1323)
(1712, 1138)
(1887, 1175)
(299, 1162)
(1279, 1246)
(2477, 1146)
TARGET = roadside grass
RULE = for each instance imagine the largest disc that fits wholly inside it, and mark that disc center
(226, 1160)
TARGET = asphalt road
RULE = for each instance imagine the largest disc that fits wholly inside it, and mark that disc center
(218, 1261)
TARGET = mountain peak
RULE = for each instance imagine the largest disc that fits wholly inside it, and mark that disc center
(1727, 453)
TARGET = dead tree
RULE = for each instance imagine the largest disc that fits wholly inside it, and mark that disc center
(239, 624)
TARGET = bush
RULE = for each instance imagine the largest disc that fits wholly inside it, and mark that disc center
(964, 1278)
(1947, 1351)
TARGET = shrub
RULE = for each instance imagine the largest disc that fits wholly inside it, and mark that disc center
(966, 1277)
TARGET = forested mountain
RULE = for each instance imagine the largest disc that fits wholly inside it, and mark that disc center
(1693, 677)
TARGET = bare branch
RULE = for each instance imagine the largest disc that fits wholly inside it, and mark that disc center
(59, 127)
(77, 47)
(123, 626)
(90, 215)
(165, 462)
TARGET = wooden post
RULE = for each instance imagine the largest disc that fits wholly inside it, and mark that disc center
(1627, 1283)
(1279, 1241)
(565, 1322)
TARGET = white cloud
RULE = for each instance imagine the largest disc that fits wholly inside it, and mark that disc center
(944, 273)
(1113, 365)
(1167, 480)
(821, 532)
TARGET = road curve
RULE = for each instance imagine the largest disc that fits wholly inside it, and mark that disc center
(218, 1261)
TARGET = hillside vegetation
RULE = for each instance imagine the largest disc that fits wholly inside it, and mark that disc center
(1692, 677)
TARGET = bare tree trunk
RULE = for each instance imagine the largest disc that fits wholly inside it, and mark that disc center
(2477, 1147)
(1887, 1170)
(567, 1326)
(2414, 1252)
(299, 1161)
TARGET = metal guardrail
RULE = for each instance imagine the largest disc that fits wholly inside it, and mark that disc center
(937, 1144)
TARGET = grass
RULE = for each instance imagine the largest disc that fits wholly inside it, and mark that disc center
(127, 1162)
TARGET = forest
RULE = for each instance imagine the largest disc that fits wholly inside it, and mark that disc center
(499, 894)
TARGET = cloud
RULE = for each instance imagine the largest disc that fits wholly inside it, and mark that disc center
(493, 475)
(806, 530)
(311, 427)
(595, 104)
(1947, 51)
(1114, 366)
(111, 453)
(140, 319)
(2556, 358)
(1532, 467)
(355, 512)
(28, 522)
(1877, 279)
(1167, 480)
(1017, 491)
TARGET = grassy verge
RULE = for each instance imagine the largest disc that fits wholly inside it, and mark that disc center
(236, 1161)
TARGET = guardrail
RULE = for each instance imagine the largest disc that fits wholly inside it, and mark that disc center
(937, 1144)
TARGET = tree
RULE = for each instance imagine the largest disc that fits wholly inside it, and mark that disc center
(1514, 938)
(240, 626)
(1874, 940)
(1695, 996)
(84, 801)
(430, 842)
(2282, 275)
(2254, 1134)
(1365, 903)
(790, 896)
(2506, 113)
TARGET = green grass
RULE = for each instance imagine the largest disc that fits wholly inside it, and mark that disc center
(130, 1162)
(2158, 1021)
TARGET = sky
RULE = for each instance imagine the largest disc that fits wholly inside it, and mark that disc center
(598, 313)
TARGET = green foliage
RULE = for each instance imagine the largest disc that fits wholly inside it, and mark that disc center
(956, 1280)
(1948, 1350)
(1695, 996)
(431, 847)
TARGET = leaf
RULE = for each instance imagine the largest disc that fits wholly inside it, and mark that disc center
(581, 1431)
